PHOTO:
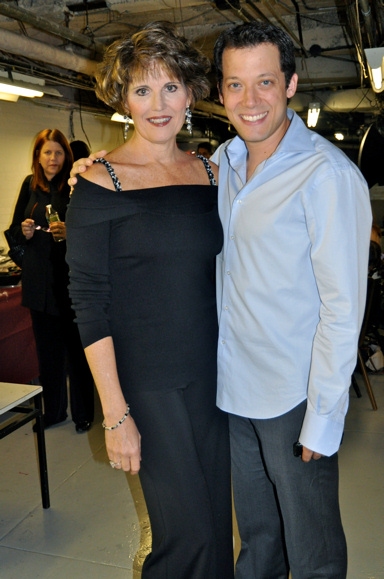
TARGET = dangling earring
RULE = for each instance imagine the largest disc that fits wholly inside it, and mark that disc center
(188, 120)
(126, 126)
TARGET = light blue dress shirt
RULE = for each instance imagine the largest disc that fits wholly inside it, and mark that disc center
(291, 282)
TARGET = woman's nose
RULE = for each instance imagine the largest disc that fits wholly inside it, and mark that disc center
(158, 101)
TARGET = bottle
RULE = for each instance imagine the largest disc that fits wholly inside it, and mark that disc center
(52, 215)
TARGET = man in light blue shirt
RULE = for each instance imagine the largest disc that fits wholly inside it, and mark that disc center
(291, 295)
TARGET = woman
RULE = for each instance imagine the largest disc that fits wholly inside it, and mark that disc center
(45, 283)
(143, 234)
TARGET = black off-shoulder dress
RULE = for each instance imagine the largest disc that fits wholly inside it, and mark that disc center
(142, 270)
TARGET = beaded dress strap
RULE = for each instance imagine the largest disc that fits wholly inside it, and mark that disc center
(111, 172)
(117, 183)
(208, 168)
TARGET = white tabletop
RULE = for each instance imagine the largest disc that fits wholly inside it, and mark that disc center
(13, 394)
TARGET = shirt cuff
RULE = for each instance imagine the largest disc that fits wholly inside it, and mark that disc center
(322, 434)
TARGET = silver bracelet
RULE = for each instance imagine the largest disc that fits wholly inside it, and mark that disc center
(118, 423)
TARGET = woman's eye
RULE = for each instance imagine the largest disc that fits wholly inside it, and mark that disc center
(171, 88)
(141, 91)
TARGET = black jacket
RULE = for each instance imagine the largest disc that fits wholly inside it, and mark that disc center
(44, 272)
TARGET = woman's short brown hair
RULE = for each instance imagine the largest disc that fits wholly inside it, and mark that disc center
(156, 46)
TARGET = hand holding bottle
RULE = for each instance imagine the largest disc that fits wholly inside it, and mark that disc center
(56, 226)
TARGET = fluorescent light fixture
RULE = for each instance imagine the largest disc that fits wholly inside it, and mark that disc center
(19, 90)
(13, 85)
(121, 119)
(13, 98)
(375, 61)
(118, 118)
(313, 114)
(20, 85)
(339, 136)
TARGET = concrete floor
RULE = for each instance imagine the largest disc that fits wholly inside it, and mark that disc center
(97, 524)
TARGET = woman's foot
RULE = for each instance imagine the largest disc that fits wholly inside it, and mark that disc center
(83, 426)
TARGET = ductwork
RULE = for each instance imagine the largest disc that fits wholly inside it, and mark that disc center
(35, 50)
(50, 26)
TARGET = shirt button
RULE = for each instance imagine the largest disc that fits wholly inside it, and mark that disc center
(228, 272)
(232, 237)
(226, 307)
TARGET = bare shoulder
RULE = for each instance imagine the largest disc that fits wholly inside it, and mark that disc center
(98, 174)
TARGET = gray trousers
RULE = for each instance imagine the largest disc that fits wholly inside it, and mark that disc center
(287, 510)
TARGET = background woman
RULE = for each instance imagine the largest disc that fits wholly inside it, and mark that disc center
(45, 283)
(143, 235)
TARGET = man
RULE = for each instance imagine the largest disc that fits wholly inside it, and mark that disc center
(205, 149)
(291, 294)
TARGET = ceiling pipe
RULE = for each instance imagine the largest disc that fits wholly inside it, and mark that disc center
(25, 16)
(370, 27)
(36, 50)
(259, 13)
(298, 21)
(283, 25)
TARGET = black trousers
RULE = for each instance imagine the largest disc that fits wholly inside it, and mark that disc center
(185, 477)
(60, 354)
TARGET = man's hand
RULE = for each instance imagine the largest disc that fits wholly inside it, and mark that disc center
(81, 165)
(308, 455)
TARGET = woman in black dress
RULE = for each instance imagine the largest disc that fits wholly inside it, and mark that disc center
(143, 233)
(45, 283)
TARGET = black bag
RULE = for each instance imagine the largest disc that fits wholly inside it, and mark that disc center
(16, 249)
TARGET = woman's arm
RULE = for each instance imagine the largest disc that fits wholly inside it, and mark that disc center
(123, 442)
(88, 238)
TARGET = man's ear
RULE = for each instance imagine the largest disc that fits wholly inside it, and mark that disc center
(292, 86)
(220, 95)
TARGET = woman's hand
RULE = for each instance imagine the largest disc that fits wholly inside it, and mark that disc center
(28, 228)
(81, 165)
(122, 442)
(123, 446)
(58, 230)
